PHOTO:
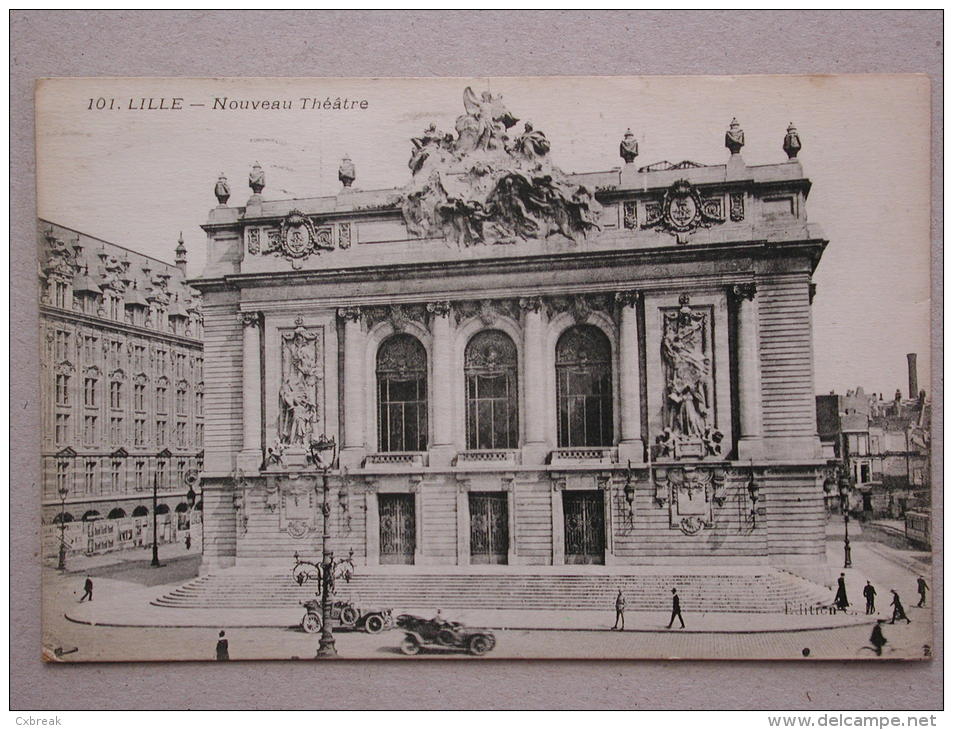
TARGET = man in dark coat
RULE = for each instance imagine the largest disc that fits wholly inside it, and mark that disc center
(869, 594)
(221, 648)
(922, 589)
(88, 587)
(840, 600)
(676, 610)
(877, 638)
(898, 611)
(619, 612)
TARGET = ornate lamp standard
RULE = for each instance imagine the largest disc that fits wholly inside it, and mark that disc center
(322, 453)
(844, 500)
(62, 490)
(160, 459)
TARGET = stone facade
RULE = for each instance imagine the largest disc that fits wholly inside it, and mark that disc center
(649, 377)
(121, 374)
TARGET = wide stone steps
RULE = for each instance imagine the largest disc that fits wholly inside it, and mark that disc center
(770, 592)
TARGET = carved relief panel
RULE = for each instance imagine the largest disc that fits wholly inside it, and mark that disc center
(687, 376)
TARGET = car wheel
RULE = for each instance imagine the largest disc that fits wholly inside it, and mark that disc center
(311, 623)
(374, 624)
(409, 646)
(479, 645)
(349, 615)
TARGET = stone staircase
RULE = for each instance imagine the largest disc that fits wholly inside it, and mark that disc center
(769, 591)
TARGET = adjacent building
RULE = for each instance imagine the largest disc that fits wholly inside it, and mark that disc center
(517, 366)
(122, 393)
(884, 443)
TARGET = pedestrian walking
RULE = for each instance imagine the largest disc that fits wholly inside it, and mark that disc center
(877, 637)
(922, 589)
(88, 588)
(840, 600)
(676, 610)
(619, 612)
(898, 611)
(869, 593)
(221, 648)
(188, 541)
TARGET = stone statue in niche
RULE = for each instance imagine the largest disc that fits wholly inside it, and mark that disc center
(689, 389)
(300, 393)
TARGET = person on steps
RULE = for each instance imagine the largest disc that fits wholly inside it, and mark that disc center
(619, 612)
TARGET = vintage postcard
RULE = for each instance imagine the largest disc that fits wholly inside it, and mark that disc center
(558, 367)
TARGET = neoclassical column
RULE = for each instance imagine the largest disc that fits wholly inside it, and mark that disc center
(251, 454)
(354, 442)
(534, 417)
(442, 449)
(749, 371)
(630, 369)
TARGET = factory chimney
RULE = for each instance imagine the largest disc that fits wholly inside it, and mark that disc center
(912, 375)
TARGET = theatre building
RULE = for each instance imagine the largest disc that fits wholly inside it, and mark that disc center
(122, 401)
(518, 366)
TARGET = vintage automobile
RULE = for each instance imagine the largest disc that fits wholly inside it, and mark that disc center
(348, 615)
(422, 633)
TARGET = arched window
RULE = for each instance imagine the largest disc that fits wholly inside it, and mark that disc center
(402, 394)
(117, 514)
(140, 511)
(584, 387)
(492, 399)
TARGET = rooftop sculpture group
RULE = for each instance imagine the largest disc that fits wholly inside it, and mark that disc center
(484, 186)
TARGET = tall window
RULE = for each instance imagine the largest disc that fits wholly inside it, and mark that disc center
(138, 356)
(89, 348)
(161, 434)
(199, 433)
(62, 390)
(139, 437)
(139, 396)
(181, 401)
(116, 476)
(89, 430)
(492, 402)
(402, 394)
(62, 476)
(161, 362)
(61, 296)
(199, 402)
(90, 392)
(61, 432)
(584, 387)
(180, 434)
(89, 482)
(161, 404)
(61, 345)
(115, 395)
(160, 474)
(115, 430)
(140, 475)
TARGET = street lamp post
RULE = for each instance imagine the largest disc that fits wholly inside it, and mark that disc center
(160, 457)
(62, 491)
(322, 456)
(845, 496)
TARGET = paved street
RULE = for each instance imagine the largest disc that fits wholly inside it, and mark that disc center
(887, 567)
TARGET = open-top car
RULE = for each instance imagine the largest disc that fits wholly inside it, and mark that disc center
(440, 633)
(348, 615)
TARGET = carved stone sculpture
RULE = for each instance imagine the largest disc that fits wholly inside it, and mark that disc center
(222, 191)
(792, 142)
(481, 187)
(689, 387)
(256, 179)
(629, 147)
(346, 173)
(734, 137)
(299, 396)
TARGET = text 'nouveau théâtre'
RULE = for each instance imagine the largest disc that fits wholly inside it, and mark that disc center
(227, 103)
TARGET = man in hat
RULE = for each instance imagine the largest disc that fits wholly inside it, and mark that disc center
(676, 610)
(898, 611)
(88, 588)
(869, 593)
(922, 589)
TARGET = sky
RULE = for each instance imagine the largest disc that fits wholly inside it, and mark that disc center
(137, 177)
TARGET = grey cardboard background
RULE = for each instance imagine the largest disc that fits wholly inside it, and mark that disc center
(434, 43)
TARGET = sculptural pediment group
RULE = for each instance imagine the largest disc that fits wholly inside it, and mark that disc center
(484, 185)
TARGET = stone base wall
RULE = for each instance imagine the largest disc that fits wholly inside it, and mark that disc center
(679, 517)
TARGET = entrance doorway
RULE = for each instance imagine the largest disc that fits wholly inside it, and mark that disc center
(584, 516)
(398, 529)
(489, 527)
